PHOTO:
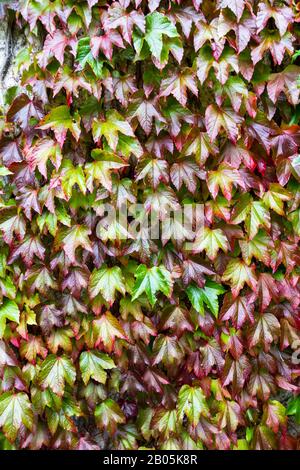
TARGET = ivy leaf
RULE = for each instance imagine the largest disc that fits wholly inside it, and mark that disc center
(165, 421)
(225, 177)
(27, 249)
(192, 403)
(238, 273)
(264, 438)
(199, 144)
(265, 331)
(153, 170)
(238, 310)
(230, 415)
(285, 81)
(275, 197)
(55, 372)
(234, 155)
(43, 151)
(55, 45)
(15, 412)
(101, 169)
(129, 145)
(43, 11)
(261, 384)
(276, 44)
(236, 6)
(105, 43)
(84, 55)
(274, 415)
(267, 290)
(211, 356)
(210, 240)
(72, 176)
(12, 225)
(176, 319)
(187, 172)
(110, 128)
(108, 414)
(282, 16)
(119, 17)
(168, 350)
(60, 121)
(106, 329)
(107, 281)
(22, 110)
(50, 317)
(217, 119)
(178, 84)
(207, 295)
(176, 114)
(65, 78)
(151, 281)
(145, 110)
(157, 26)
(254, 213)
(259, 247)
(8, 311)
(236, 371)
(7, 288)
(93, 365)
(10, 152)
(293, 408)
(195, 271)
(71, 238)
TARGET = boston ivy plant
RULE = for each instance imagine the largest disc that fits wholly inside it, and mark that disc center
(111, 340)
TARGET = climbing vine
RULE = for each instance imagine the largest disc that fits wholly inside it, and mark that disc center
(114, 340)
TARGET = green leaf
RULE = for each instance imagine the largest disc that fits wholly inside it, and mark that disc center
(106, 329)
(55, 371)
(211, 240)
(8, 287)
(238, 273)
(157, 26)
(165, 422)
(60, 121)
(242, 444)
(110, 128)
(8, 311)
(254, 213)
(129, 145)
(84, 56)
(92, 365)
(108, 415)
(208, 296)
(15, 411)
(5, 171)
(101, 169)
(192, 403)
(168, 350)
(72, 176)
(152, 280)
(293, 408)
(294, 218)
(259, 247)
(107, 281)
(275, 197)
(296, 167)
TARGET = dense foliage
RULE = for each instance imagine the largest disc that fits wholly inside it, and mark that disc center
(110, 341)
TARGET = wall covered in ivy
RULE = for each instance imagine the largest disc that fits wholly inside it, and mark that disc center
(111, 338)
